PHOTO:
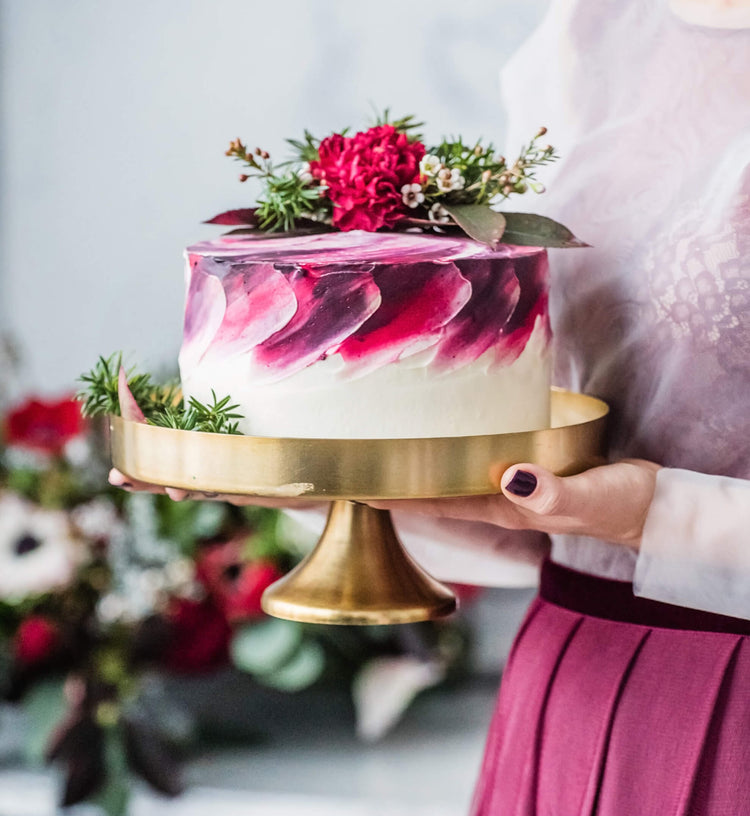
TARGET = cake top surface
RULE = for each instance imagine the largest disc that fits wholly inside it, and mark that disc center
(352, 247)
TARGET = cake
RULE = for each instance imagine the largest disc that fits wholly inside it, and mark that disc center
(369, 334)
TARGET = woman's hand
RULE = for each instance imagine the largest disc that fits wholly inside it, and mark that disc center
(118, 479)
(608, 502)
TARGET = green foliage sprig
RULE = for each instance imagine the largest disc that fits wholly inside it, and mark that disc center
(162, 404)
(288, 196)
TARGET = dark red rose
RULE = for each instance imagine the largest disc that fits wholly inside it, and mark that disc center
(44, 426)
(364, 174)
(198, 636)
(36, 640)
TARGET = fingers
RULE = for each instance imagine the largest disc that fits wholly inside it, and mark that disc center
(118, 479)
(608, 502)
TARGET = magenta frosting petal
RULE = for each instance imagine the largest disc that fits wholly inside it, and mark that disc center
(204, 310)
(259, 302)
(533, 276)
(495, 292)
(418, 301)
(331, 304)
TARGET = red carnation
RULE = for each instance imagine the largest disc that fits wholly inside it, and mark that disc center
(44, 426)
(364, 174)
(36, 640)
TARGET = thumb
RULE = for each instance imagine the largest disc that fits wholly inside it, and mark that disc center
(537, 490)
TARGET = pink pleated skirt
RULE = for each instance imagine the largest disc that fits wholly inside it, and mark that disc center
(612, 705)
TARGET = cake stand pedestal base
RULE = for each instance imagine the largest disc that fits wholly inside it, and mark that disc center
(358, 573)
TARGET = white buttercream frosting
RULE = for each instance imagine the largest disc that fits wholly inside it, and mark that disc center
(405, 399)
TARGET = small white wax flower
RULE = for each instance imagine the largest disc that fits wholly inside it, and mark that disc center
(304, 175)
(438, 214)
(110, 609)
(429, 165)
(458, 182)
(97, 519)
(412, 195)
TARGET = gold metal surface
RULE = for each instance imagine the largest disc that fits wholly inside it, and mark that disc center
(357, 469)
(358, 573)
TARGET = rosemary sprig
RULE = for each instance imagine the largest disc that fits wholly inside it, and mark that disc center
(288, 196)
(162, 404)
(405, 124)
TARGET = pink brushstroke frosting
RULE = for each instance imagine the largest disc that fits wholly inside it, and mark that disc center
(373, 298)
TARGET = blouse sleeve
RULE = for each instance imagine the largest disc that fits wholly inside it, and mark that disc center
(695, 549)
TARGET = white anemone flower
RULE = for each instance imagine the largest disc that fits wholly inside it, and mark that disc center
(37, 551)
(430, 164)
(412, 195)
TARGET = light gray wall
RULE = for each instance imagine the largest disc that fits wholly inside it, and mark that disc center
(115, 117)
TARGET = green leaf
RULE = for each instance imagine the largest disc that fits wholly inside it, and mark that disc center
(527, 229)
(263, 648)
(44, 706)
(304, 668)
(479, 222)
(114, 795)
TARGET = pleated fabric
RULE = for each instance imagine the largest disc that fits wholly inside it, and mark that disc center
(605, 717)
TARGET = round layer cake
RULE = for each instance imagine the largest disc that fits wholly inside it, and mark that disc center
(369, 335)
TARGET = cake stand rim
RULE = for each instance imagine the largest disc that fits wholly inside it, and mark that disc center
(565, 447)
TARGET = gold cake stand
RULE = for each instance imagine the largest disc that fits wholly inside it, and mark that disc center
(358, 572)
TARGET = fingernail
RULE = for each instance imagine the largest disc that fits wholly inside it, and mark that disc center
(125, 484)
(522, 484)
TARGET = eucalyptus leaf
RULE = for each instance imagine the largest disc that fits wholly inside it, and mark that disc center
(527, 229)
(479, 222)
(302, 670)
(262, 648)
(114, 795)
(44, 706)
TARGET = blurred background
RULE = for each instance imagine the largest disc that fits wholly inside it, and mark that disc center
(114, 119)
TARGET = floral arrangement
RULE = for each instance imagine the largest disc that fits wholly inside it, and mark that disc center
(386, 177)
(104, 593)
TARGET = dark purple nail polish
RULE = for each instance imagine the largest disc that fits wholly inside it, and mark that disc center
(522, 484)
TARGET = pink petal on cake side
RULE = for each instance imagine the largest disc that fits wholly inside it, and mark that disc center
(495, 293)
(419, 300)
(259, 302)
(204, 310)
(331, 306)
(532, 272)
(128, 406)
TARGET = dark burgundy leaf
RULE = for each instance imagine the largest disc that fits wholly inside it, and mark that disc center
(235, 218)
(150, 758)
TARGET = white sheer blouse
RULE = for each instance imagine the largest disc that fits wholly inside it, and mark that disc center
(652, 116)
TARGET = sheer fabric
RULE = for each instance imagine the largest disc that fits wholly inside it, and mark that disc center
(652, 117)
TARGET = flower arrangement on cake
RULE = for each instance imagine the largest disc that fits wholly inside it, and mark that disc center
(106, 594)
(386, 177)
